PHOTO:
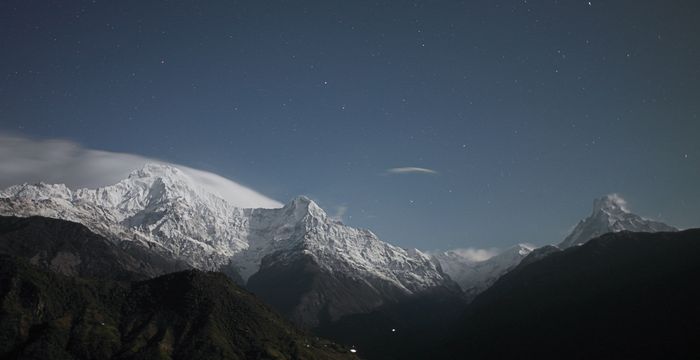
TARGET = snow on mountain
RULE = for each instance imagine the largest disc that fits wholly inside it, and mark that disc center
(475, 274)
(58, 161)
(158, 205)
(163, 208)
(610, 214)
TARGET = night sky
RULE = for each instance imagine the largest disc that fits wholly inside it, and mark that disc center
(523, 111)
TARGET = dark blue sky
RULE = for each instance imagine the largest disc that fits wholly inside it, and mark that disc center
(527, 110)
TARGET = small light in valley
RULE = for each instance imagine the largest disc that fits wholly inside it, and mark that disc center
(353, 351)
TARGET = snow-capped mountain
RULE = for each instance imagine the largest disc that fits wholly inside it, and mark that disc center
(474, 275)
(164, 209)
(159, 206)
(610, 214)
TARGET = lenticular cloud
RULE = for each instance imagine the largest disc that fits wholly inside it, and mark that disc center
(27, 160)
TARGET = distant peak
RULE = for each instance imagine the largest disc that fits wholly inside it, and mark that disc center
(611, 203)
(525, 248)
(519, 249)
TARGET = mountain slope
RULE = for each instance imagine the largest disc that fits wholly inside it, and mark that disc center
(610, 214)
(73, 250)
(622, 295)
(476, 275)
(185, 315)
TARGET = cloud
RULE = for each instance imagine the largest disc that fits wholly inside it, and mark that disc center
(476, 255)
(27, 160)
(472, 255)
(339, 212)
(410, 170)
(618, 200)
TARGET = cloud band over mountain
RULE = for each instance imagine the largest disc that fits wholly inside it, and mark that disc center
(27, 160)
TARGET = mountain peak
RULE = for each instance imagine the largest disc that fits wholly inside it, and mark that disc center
(302, 205)
(610, 204)
(515, 252)
(524, 249)
(302, 200)
(156, 170)
(610, 214)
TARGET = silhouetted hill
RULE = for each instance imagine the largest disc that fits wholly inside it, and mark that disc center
(405, 329)
(71, 249)
(623, 296)
(185, 315)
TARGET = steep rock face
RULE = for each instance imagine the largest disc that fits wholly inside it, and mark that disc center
(610, 214)
(310, 294)
(301, 228)
(162, 209)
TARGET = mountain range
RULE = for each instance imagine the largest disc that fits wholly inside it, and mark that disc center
(316, 271)
(340, 270)
(609, 214)
(327, 269)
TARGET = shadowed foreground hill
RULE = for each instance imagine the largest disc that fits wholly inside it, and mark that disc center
(623, 295)
(72, 249)
(185, 315)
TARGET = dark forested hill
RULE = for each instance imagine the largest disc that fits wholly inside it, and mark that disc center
(623, 295)
(184, 315)
(72, 249)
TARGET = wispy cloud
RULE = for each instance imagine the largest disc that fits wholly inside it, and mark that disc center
(340, 212)
(475, 254)
(26, 160)
(616, 199)
(469, 254)
(410, 170)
